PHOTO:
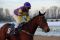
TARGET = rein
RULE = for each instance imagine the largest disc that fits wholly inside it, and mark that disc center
(27, 32)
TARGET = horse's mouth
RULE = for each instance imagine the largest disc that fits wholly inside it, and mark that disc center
(47, 30)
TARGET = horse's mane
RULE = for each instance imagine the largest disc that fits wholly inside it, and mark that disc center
(30, 20)
(37, 16)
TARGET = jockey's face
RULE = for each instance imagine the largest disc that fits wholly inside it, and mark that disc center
(27, 8)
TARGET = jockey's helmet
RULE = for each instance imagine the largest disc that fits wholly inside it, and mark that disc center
(27, 4)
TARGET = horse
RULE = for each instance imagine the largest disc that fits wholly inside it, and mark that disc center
(28, 29)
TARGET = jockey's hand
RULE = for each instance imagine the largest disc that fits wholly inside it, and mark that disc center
(24, 18)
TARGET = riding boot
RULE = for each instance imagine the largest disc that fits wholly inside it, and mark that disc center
(20, 27)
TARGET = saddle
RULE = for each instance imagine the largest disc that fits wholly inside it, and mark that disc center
(13, 30)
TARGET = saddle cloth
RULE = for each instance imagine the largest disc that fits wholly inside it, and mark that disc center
(12, 30)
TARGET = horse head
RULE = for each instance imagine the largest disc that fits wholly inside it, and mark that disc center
(42, 22)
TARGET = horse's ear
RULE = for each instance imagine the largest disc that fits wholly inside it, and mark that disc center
(39, 13)
(44, 13)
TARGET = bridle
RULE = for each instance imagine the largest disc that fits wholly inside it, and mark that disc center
(27, 32)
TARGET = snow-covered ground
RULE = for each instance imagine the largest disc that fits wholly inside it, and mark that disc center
(54, 26)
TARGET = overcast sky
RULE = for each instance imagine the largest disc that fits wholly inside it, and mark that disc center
(36, 4)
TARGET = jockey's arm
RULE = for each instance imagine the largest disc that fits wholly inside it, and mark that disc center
(20, 12)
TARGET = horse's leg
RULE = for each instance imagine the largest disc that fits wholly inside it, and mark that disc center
(24, 36)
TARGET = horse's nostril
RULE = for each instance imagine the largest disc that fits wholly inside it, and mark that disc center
(48, 30)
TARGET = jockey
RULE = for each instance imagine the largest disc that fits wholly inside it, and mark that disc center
(22, 14)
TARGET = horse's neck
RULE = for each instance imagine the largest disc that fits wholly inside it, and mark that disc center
(31, 26)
